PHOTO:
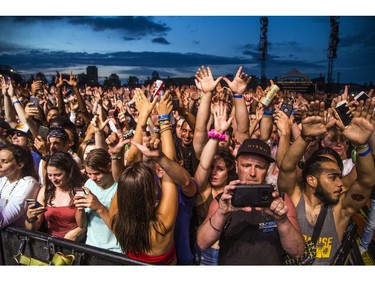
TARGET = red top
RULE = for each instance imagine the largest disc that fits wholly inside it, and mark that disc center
(60, 220)
(168, 258)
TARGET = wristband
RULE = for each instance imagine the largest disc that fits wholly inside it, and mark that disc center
(213, 135)
(355, 153)
(237, 96)
(164, 122)
(163, 117)
(31, 220)
(365, 152)
(268, 111)
(16, 101)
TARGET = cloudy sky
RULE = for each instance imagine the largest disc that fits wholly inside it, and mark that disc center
(176, 46)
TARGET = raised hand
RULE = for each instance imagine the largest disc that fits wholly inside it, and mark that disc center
(362, 125)
(73, 80)
(313, 120)
(221, 123)
(207, 83)
(239, 83)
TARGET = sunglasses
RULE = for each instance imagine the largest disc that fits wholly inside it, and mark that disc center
(19, 134)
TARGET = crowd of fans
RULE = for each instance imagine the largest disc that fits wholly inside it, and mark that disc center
(154, 176)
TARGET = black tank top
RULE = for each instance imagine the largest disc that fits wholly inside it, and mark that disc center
(250, 239)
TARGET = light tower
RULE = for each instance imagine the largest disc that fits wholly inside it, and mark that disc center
(263, 50)
(332, 50)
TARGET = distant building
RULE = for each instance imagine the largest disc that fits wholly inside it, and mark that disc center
(295, 81)
(92, 75)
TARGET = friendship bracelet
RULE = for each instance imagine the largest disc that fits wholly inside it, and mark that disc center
(164, 122)
(213, 226)
(116, 157)
(213, 135)
(163, 117)
(165, 129)
(16, 101)
(237, 96)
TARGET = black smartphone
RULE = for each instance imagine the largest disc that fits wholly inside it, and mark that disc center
(35, 101)
(175, 103)
(68, 93)
(79, 191)
(287, 109)
(252, 195)
(361, 96)
(343, 111)
(43, 132)
(36, 204)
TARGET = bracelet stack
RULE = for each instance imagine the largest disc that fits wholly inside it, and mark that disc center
(213, 135)
(164, 119)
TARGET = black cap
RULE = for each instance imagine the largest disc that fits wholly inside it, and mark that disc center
(257, 147)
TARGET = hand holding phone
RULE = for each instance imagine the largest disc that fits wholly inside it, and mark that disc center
(343, 112)
(35, 101)
(361, 96)
(286, 108)
(31, 201)
(79, 191)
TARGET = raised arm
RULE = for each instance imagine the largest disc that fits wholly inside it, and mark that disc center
(312, 127)
(238, 87)
(358, 133)
(206, 84)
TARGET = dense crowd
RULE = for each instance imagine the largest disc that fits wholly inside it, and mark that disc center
(205, 174)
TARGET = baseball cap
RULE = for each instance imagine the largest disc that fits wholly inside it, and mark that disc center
(23, 128)
(257, 147)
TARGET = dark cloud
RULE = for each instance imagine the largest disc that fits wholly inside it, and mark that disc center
(196, 42)
(160, 40)
(134, 26)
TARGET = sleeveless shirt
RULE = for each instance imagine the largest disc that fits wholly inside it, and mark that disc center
(250, 239)
(328, 241)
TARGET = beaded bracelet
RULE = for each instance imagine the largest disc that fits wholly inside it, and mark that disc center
(237, 96)
(213, 135)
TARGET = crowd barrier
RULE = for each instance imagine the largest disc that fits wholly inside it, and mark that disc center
(39, 248)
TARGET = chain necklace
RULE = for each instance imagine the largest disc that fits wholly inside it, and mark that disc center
(14, 186)
(312, 214)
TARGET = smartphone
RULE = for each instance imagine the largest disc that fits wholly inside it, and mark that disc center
(68, 93)
(43, 132)
(175, 104)
(79, 191)
(361, 96)
(343, 111)
(286, 108)
(252, 195)
(35, 101)
(36, 204)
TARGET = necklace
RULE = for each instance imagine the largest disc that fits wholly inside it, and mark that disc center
(312, 214)
(14, 186)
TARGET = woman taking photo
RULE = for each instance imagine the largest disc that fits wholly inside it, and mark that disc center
(62, 218)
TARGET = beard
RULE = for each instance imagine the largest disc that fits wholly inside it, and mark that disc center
(323, 195)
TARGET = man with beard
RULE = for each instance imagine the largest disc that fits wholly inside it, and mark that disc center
(321, 183)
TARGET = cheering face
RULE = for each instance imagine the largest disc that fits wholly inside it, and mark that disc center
(19, 138)
(187, 134)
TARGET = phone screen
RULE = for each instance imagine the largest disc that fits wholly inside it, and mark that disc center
(253, 195)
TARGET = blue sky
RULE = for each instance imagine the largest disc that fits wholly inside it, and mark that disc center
(176, 46)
